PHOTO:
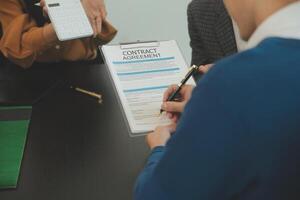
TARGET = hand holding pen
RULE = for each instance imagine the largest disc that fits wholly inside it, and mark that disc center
(175, 108)
(171, 104)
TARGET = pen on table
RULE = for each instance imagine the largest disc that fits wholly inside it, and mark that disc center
(93, 94)
(172, 97)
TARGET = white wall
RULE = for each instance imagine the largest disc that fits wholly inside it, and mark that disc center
(150, 20)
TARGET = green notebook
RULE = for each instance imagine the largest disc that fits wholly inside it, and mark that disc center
(14, 122)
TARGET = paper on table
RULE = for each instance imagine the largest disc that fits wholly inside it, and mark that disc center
(141, 74)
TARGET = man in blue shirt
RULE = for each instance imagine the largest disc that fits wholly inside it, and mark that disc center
(239, 134)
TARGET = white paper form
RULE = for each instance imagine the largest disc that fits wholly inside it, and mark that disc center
(141, 73)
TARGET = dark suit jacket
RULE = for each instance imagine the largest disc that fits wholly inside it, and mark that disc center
(238, 138)
(211, 31)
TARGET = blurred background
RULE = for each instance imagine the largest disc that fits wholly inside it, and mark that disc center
(151, 20)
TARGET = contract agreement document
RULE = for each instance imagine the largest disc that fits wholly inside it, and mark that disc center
(141, 73)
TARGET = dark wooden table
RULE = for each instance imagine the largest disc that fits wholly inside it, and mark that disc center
(76, 149)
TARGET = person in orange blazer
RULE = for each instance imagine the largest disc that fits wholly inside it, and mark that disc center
(27, 36)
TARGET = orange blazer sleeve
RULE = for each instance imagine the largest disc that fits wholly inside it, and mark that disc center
(21, 39)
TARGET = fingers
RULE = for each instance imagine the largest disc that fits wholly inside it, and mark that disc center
(96, 12)
(160, 135)
(168, 92)
(98, 24)
(167, 129)
(186, 92)
(205, 68)
(174, 117)
(44, 7)
(45, 12)
(103, 12)
(42, 3)
(176, 107)
(91, 14)
(172, 128)
(172, 106)
(93, 22)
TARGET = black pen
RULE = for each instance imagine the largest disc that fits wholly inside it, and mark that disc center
(172, 97)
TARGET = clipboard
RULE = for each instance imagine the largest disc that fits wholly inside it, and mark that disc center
(139, 44)
(143, 80)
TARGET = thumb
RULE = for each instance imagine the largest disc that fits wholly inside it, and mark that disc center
(173, 106)
(103, 12)
(203, 69)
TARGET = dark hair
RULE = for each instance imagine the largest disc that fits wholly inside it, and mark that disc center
(35, 12)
